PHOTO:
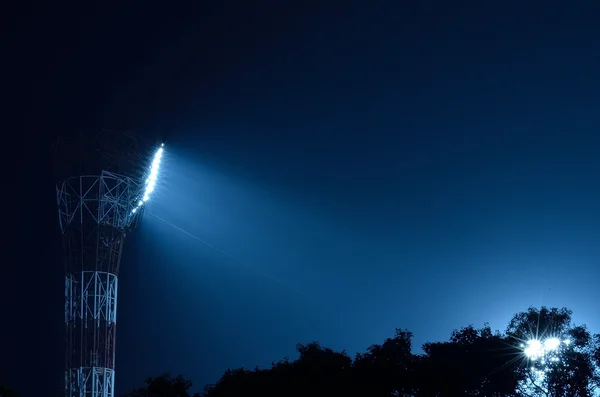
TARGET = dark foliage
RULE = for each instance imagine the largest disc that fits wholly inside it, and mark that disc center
(473, 362)
(164, 386)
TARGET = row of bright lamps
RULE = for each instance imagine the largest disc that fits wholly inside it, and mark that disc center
(150, 182)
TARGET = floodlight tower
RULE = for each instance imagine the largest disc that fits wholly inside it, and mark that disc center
(96, 209)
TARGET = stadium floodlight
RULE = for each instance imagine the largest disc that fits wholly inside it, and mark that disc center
(150, 182)
(97, 208)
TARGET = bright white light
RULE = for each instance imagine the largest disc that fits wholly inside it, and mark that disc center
(551, 344)
(151, 179)
(548, 350)
(544, 356)
(534, 349)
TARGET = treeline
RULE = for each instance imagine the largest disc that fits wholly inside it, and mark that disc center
(541, 353)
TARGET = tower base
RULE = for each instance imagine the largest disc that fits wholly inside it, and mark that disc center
(90, 382)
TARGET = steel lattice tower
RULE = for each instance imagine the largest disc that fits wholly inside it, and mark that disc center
(96, 211)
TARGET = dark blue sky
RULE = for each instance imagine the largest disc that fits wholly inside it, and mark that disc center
(423, 166)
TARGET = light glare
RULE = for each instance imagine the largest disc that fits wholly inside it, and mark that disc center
(151, 179)
(534, 349)
(551, 344)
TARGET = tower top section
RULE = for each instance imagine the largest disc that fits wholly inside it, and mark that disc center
(89, 152)
(105, 178)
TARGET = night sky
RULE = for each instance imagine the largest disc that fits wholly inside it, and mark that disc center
(424, 165)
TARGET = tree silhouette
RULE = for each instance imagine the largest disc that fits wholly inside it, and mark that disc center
(387, 369)
(164, 386)
(473, 362)
(318, 370)
(572, 370)
(596, 354)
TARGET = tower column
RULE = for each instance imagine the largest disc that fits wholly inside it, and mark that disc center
(95, 214)
(96, 210)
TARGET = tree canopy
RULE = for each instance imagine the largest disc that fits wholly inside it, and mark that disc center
(541, 353)
(165, 385)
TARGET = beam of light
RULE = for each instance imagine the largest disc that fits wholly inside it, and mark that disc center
(150, 181)
(231, 257)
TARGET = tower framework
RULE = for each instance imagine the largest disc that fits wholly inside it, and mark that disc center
(95, 214)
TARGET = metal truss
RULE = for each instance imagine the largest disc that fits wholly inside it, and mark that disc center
(91, 381)
(95, 213)
(92, 295)
(108, 199)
